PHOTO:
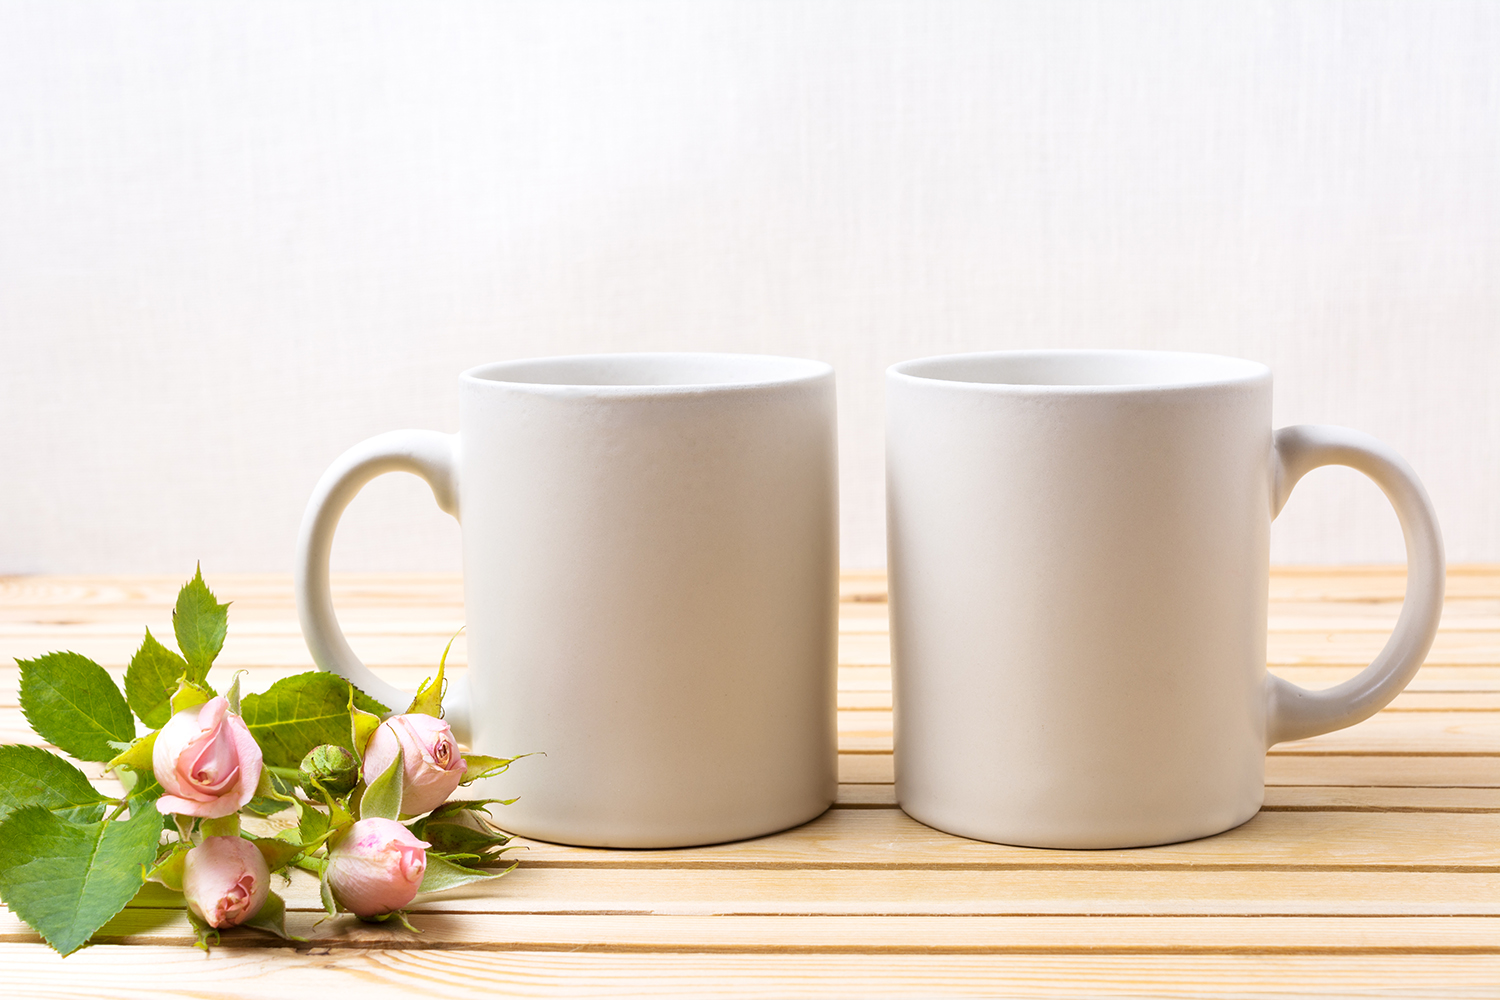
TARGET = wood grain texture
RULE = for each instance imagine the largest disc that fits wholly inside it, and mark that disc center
(1373, 868)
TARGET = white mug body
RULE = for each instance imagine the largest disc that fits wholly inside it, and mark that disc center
(1079, 556)
(650, 546)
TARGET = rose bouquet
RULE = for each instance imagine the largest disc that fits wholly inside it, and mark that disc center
(326, 778)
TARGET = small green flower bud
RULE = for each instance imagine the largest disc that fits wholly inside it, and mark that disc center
(333, 767)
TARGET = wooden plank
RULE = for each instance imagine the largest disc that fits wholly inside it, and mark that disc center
(1324, 798)
(1407, 701)
(471, 974)
(1429, 678)
(1389, 733)
(916, 891)
(1451, 647)
(889, 838)
(1285, 769)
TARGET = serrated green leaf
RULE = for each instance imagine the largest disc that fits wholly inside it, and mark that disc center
(68, 879)
(301, 712)
(443, 874)
(382, 799)
(31, 776)
(271, 917)
(151, 679)
(312, 825)
(72, 703)
(200, 622)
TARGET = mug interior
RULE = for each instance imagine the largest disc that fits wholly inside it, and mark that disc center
(663, 370)
(1084, 368)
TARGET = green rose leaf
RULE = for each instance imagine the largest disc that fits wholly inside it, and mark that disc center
(73, 704)
(31, 776)
(200, 622)
(68, 879)
(151, 679)
(443, 874)
(301, 712)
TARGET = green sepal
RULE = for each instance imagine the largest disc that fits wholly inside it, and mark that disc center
(233, 695)
(429, 699)
(150, 680)
(362, 726)
(68, 879)
(324, 829)
(72, 703)
(202, 930)
(477, 765)
(325, 893)
(456, 838)
(32, 776)
(443, 874)
(190, 694)
(382, 799)
(271, 917)
(200, 623)
(137, 755)
(277, 853)
(272, 795)
(220, 826)
(169, 870)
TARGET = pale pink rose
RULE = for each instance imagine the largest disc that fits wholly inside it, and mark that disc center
(225, 881)
(377, 867)
(434, 767)
(207, 761)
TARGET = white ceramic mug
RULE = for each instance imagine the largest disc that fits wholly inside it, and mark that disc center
(1079, 558)
(650, 549)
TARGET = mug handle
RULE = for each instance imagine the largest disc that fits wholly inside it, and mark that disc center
(428, 454)
(1295, 713)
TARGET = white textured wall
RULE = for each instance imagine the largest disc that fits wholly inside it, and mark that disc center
(237, 237)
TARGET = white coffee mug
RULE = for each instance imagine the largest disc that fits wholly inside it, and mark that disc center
(1079, 560)
(650, 548)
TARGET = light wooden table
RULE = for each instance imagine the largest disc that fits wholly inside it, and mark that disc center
(1373, 869)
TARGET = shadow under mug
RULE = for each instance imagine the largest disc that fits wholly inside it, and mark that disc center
(650, 546)
(1079, 569)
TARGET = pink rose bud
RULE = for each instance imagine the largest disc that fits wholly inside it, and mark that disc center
(377, 867)
(225, 880)
(207, 761)
(434, 767)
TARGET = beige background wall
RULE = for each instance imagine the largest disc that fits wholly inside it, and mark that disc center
(237, 237)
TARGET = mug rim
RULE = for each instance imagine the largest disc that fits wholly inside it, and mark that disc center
(1212, 370)
(776, 370)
